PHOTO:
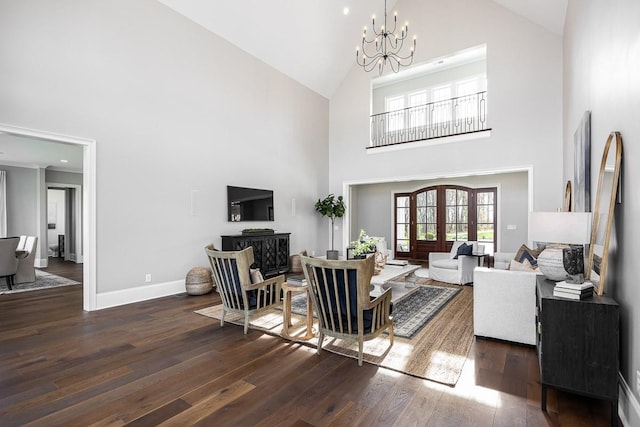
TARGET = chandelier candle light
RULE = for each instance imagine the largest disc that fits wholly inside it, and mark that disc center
(385, 46)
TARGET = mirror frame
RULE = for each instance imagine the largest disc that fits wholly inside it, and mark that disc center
(611, 193)
(567, 198)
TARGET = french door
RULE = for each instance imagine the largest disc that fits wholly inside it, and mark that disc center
(432, 218)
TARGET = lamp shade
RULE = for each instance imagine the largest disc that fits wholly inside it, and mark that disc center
(572, 228)
(568, 228)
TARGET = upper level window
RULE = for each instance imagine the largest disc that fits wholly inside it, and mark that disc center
(396, 120)
(418, 115)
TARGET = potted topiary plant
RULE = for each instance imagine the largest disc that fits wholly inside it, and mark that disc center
(332, 208)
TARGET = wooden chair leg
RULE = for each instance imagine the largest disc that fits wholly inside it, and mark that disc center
(246, 323)
(320, 340)
(222, 318)
(9, 280)
(360, 351)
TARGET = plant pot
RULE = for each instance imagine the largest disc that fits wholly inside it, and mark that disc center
(332, 254)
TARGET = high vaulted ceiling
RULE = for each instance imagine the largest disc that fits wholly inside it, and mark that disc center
(313, 41)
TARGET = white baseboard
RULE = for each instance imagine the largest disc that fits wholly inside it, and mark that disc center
(628, 406)
(137, 294)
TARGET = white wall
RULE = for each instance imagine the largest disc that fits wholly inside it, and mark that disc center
(524, 72)
(601, 74)
(175, 111)
(21, 201)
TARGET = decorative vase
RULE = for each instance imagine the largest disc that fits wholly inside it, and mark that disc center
(551, 263)
(573, 261)
(332, 254)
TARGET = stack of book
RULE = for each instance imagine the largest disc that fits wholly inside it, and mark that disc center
(573, 290)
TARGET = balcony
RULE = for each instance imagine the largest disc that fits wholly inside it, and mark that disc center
(456, 116)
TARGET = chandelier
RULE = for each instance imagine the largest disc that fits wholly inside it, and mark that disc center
(385, 46)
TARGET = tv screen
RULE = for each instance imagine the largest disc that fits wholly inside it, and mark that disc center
(249, 204)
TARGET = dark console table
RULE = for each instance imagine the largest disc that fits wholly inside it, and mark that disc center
(270, 250)
(578, 345)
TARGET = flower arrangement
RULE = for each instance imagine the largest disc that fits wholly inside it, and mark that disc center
(364, 244)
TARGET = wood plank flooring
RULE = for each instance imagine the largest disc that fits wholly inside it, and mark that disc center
(158, 363)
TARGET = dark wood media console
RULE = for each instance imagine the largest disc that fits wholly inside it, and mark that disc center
(270, 250)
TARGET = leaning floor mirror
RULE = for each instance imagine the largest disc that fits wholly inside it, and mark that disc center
(607, 192)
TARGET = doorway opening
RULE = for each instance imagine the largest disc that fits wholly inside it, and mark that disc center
(88, 205)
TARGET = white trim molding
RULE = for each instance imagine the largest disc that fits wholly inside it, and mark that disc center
(628, 405)
(139, 293)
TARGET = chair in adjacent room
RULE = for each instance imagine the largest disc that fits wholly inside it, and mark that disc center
(452, 266)
(26, 263)
(8, 259)
(341, 297)
(240, 294)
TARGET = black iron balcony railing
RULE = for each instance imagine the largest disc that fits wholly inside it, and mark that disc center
(455, 116)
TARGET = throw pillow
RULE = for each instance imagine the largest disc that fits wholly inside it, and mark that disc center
(526, 253)
(256, 276)
(464, 249)
(521, 266)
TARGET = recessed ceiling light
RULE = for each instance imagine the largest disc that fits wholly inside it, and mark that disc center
(64, 161)
(345, 11)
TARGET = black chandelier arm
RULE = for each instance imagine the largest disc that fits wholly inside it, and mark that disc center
(379, 47)
(401, 58)
(368, 59)
(370, 65)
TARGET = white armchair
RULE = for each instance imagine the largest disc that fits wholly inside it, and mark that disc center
(504, 305)
(26, 271)
(443, 267)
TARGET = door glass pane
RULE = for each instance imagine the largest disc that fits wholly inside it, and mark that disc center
(450, 195)
(422, 215)
(457, 211)
(431, 232)
(485, 213)
(403, 215)
(451, 215)
(463, 197)
(431, 215)
(421, 231)
(463, 214)
(403, 231)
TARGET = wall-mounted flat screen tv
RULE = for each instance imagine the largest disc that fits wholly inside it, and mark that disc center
(249, 204)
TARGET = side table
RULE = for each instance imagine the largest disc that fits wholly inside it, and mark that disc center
(289, 289)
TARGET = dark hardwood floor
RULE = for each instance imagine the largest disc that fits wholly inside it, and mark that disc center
(156, 362)
(60, 267)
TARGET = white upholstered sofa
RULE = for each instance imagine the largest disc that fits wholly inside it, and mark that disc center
(443, 267)
(504, 303)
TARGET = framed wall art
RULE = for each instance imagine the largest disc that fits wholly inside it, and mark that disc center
(582, 165)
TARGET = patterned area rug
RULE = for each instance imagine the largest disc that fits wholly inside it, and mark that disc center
(436, 352)
(415, 309)
(410, 313)
(43, 281)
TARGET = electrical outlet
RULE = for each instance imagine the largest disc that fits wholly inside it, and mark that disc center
(147, 277)
(638, 381)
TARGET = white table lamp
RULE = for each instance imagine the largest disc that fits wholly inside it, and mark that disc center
(559, 230)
